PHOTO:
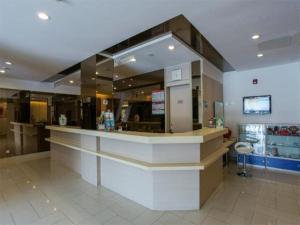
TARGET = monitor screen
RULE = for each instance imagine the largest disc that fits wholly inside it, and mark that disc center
(257, 104)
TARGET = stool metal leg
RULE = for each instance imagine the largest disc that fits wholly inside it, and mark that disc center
(244, 172)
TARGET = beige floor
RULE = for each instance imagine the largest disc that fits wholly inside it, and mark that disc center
(38, 192)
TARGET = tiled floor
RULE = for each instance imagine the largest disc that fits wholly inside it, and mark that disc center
(41, 193)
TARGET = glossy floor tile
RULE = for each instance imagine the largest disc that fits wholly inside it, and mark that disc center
(41, 192)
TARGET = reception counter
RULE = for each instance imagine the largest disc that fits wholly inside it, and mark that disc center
(29, 138)
(160, 171)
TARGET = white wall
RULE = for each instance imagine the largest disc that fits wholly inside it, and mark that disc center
(282, 82)
(16, 84)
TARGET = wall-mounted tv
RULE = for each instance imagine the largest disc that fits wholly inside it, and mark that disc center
(257, 105)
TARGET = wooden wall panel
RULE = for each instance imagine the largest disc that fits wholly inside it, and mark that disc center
(38, 111)
(212, 91)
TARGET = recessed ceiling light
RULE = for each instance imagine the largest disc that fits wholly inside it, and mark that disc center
(2, 71)
(129, 85)
(259, 55)
(171, 47)
(71, 81)
(8, 63)
(255, 36)
(97, 73)
(132, 59)
(115, 88)
(43, 16)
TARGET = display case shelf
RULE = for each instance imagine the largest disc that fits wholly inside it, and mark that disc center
(277, 146)
(286, 146)
(296, 136)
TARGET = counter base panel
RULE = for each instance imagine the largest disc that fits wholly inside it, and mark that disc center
(168, 189)
(210, 179)
(157, 190)
(88, 166)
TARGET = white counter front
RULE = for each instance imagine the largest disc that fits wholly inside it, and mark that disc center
(160, 171)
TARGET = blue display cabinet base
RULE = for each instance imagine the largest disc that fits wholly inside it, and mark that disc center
(285, 164)
(253, 160)
(271, 162)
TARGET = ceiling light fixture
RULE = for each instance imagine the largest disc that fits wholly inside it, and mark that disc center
(171, 47)
(8, 63)
(71, 81)
(129, 85)
(97, 73)
(255, 36)
(43, 16)
(2, 71)
(133, 59)
(259, 55)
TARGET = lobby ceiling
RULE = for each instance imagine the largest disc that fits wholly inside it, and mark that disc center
(78, 29)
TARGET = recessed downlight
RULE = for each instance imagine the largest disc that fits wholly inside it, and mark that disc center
(115, 88)
(171, 47)
(97, 73)
(2, 71)
(133, 59)
(129, 85)
(259, 55)
(43, 16)
(255, 36)
(71, 81)
(8, 63)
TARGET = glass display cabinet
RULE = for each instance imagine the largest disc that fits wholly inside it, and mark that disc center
(275, 145)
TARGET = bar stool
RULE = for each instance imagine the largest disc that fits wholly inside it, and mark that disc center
(243, 148)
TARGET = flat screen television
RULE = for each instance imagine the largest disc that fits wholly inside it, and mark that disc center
(257, 105)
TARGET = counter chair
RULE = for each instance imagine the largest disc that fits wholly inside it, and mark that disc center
(243, 148)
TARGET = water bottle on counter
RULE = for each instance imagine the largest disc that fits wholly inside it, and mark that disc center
(109, 121)
(106, 121)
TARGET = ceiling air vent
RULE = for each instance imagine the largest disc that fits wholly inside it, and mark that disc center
(277, 43)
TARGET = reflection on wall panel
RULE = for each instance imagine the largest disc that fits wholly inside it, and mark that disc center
(38, 111)
(3, 128)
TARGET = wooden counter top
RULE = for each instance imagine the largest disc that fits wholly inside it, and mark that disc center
(22, 124)
(197, 136)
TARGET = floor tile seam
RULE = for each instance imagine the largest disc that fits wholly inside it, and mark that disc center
(12, 218)
(117, 215)
(158, 218)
